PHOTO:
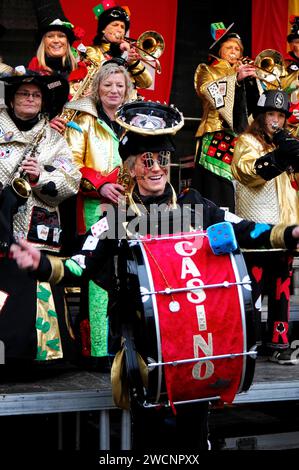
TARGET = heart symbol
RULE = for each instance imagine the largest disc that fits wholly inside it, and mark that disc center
(257, 273)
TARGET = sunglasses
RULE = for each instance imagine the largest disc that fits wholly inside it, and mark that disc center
(163, 159)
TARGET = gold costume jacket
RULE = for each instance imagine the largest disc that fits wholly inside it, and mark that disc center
(274, 201)
(139, 74)
(215, 86)
(95, 153)
(38, 219)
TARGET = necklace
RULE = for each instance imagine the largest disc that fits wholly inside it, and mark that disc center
(141, 202)
(174, 305)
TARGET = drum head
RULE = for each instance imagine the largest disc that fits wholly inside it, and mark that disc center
(208, 313)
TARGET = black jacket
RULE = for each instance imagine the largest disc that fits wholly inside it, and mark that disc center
(98, 249)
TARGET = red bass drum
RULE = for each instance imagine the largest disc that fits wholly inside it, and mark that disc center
(189, 315)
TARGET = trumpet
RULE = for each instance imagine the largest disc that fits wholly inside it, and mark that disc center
(150, 44)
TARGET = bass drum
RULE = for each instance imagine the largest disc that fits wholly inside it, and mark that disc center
(189, 314)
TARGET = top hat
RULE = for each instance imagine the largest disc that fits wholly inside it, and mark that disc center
(149, 118)
(134, 144)
(273, 100)
(294, 34)
(54, 88)
(150, 126)
(50, 17)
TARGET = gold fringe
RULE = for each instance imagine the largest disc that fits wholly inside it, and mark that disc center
(47, 326)
(57, 269)
(133, 205)
(277, 236)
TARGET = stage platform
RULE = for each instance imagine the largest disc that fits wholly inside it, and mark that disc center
(73, 390)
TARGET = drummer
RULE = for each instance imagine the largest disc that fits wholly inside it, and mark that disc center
(147, 157)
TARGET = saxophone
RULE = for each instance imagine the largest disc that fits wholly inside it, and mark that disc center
(69, 114)
(124, 178)
(18, 180)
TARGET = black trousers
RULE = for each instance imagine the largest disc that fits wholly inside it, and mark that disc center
(271, 274)
(160, 429)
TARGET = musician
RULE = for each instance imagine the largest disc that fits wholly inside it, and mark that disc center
(109, 42)
(36, 174)
(292, 61)
(265, 167)
(225, 100)
(93, 138)
(292, 68)
(147, 157)
(55, 53)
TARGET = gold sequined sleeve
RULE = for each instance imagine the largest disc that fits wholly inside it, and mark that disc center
(247, 151)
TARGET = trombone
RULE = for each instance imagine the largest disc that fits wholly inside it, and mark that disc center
(149, 43)
(269, 65)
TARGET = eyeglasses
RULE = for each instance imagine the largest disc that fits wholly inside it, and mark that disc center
(163, 159)
(26, 94)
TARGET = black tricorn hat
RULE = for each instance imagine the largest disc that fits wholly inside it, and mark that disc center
(134, 144)
(273, 100)
(149, 118)
(54, 88)
(221, 35)
(50, 17)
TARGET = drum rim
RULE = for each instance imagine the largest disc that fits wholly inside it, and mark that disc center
(153, 299)
(236, 265)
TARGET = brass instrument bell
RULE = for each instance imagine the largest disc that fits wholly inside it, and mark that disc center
(270, 65)
(21, 186)
(150, 44)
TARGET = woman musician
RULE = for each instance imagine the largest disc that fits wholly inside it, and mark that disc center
(37, 174)
(94, 140)
(109, 43)
(224, 88)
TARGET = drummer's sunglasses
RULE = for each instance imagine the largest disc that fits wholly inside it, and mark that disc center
(163, 159)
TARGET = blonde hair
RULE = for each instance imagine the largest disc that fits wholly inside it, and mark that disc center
(69, 57)
(130, 162)
(104, 72)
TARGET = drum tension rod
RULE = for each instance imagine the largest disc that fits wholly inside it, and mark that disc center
(252, 353)
(168, 290)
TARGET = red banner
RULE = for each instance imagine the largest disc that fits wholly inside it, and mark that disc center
(198, 323)
(269, 25)
(154, 16)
